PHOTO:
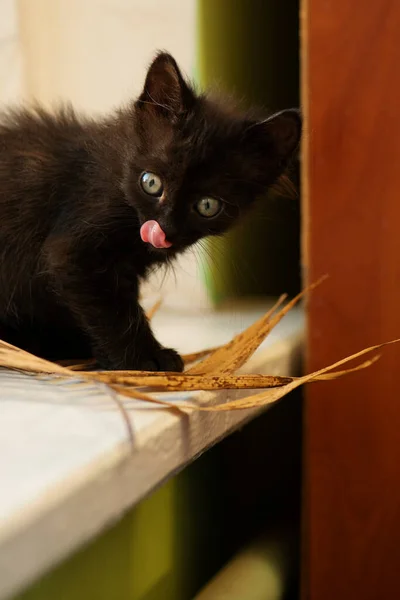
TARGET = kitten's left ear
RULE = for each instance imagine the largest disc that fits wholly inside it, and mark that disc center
(277, 137)
(165, 91)
(284, 130)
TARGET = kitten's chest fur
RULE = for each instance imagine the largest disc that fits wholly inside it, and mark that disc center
(27, 288)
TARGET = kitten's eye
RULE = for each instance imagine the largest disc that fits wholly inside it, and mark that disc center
(151, 184)
(208, 207)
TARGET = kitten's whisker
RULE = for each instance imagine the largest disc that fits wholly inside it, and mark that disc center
(239, 269)
(213, 268)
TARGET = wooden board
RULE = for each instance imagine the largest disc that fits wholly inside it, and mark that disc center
(67, 470)
(351, 94)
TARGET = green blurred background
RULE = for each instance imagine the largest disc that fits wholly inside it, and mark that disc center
(251, 49)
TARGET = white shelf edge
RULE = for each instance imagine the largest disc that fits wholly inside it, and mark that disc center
(41, 536)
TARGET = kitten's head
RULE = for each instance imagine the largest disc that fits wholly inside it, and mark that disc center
(198, 165)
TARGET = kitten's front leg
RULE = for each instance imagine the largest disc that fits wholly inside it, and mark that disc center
(106, 306)
(132, 345)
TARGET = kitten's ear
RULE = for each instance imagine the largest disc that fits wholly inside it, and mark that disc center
(280, 133)
(284, 128)
(165, 91)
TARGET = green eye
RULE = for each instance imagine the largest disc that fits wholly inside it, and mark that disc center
(151, 184)
(208, 207)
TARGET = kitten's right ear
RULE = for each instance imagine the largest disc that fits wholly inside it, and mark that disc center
(165, 91)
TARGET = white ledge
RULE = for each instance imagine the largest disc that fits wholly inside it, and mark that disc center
(67, 470)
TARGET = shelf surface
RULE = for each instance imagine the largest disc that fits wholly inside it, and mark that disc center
(67, 469)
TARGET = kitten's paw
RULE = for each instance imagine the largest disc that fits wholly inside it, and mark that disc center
(162, 359)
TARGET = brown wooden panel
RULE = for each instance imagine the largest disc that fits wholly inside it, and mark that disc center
(351, 91)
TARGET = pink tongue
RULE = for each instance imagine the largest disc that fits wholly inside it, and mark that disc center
(152, 233)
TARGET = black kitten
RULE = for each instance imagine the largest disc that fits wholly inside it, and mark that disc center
(87, 208)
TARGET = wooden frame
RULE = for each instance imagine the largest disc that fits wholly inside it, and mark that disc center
(351, 175)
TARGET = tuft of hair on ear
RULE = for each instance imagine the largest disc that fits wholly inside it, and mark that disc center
(284, 187)
(165, 91)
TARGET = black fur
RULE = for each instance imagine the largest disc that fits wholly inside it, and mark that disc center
(71, 257)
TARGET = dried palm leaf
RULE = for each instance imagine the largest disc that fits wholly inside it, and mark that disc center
(215, 372)
(174, 382)
(152, 311)
(233, 355)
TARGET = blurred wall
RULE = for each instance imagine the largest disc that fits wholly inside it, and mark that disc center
(94, 52)
(11, 59)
